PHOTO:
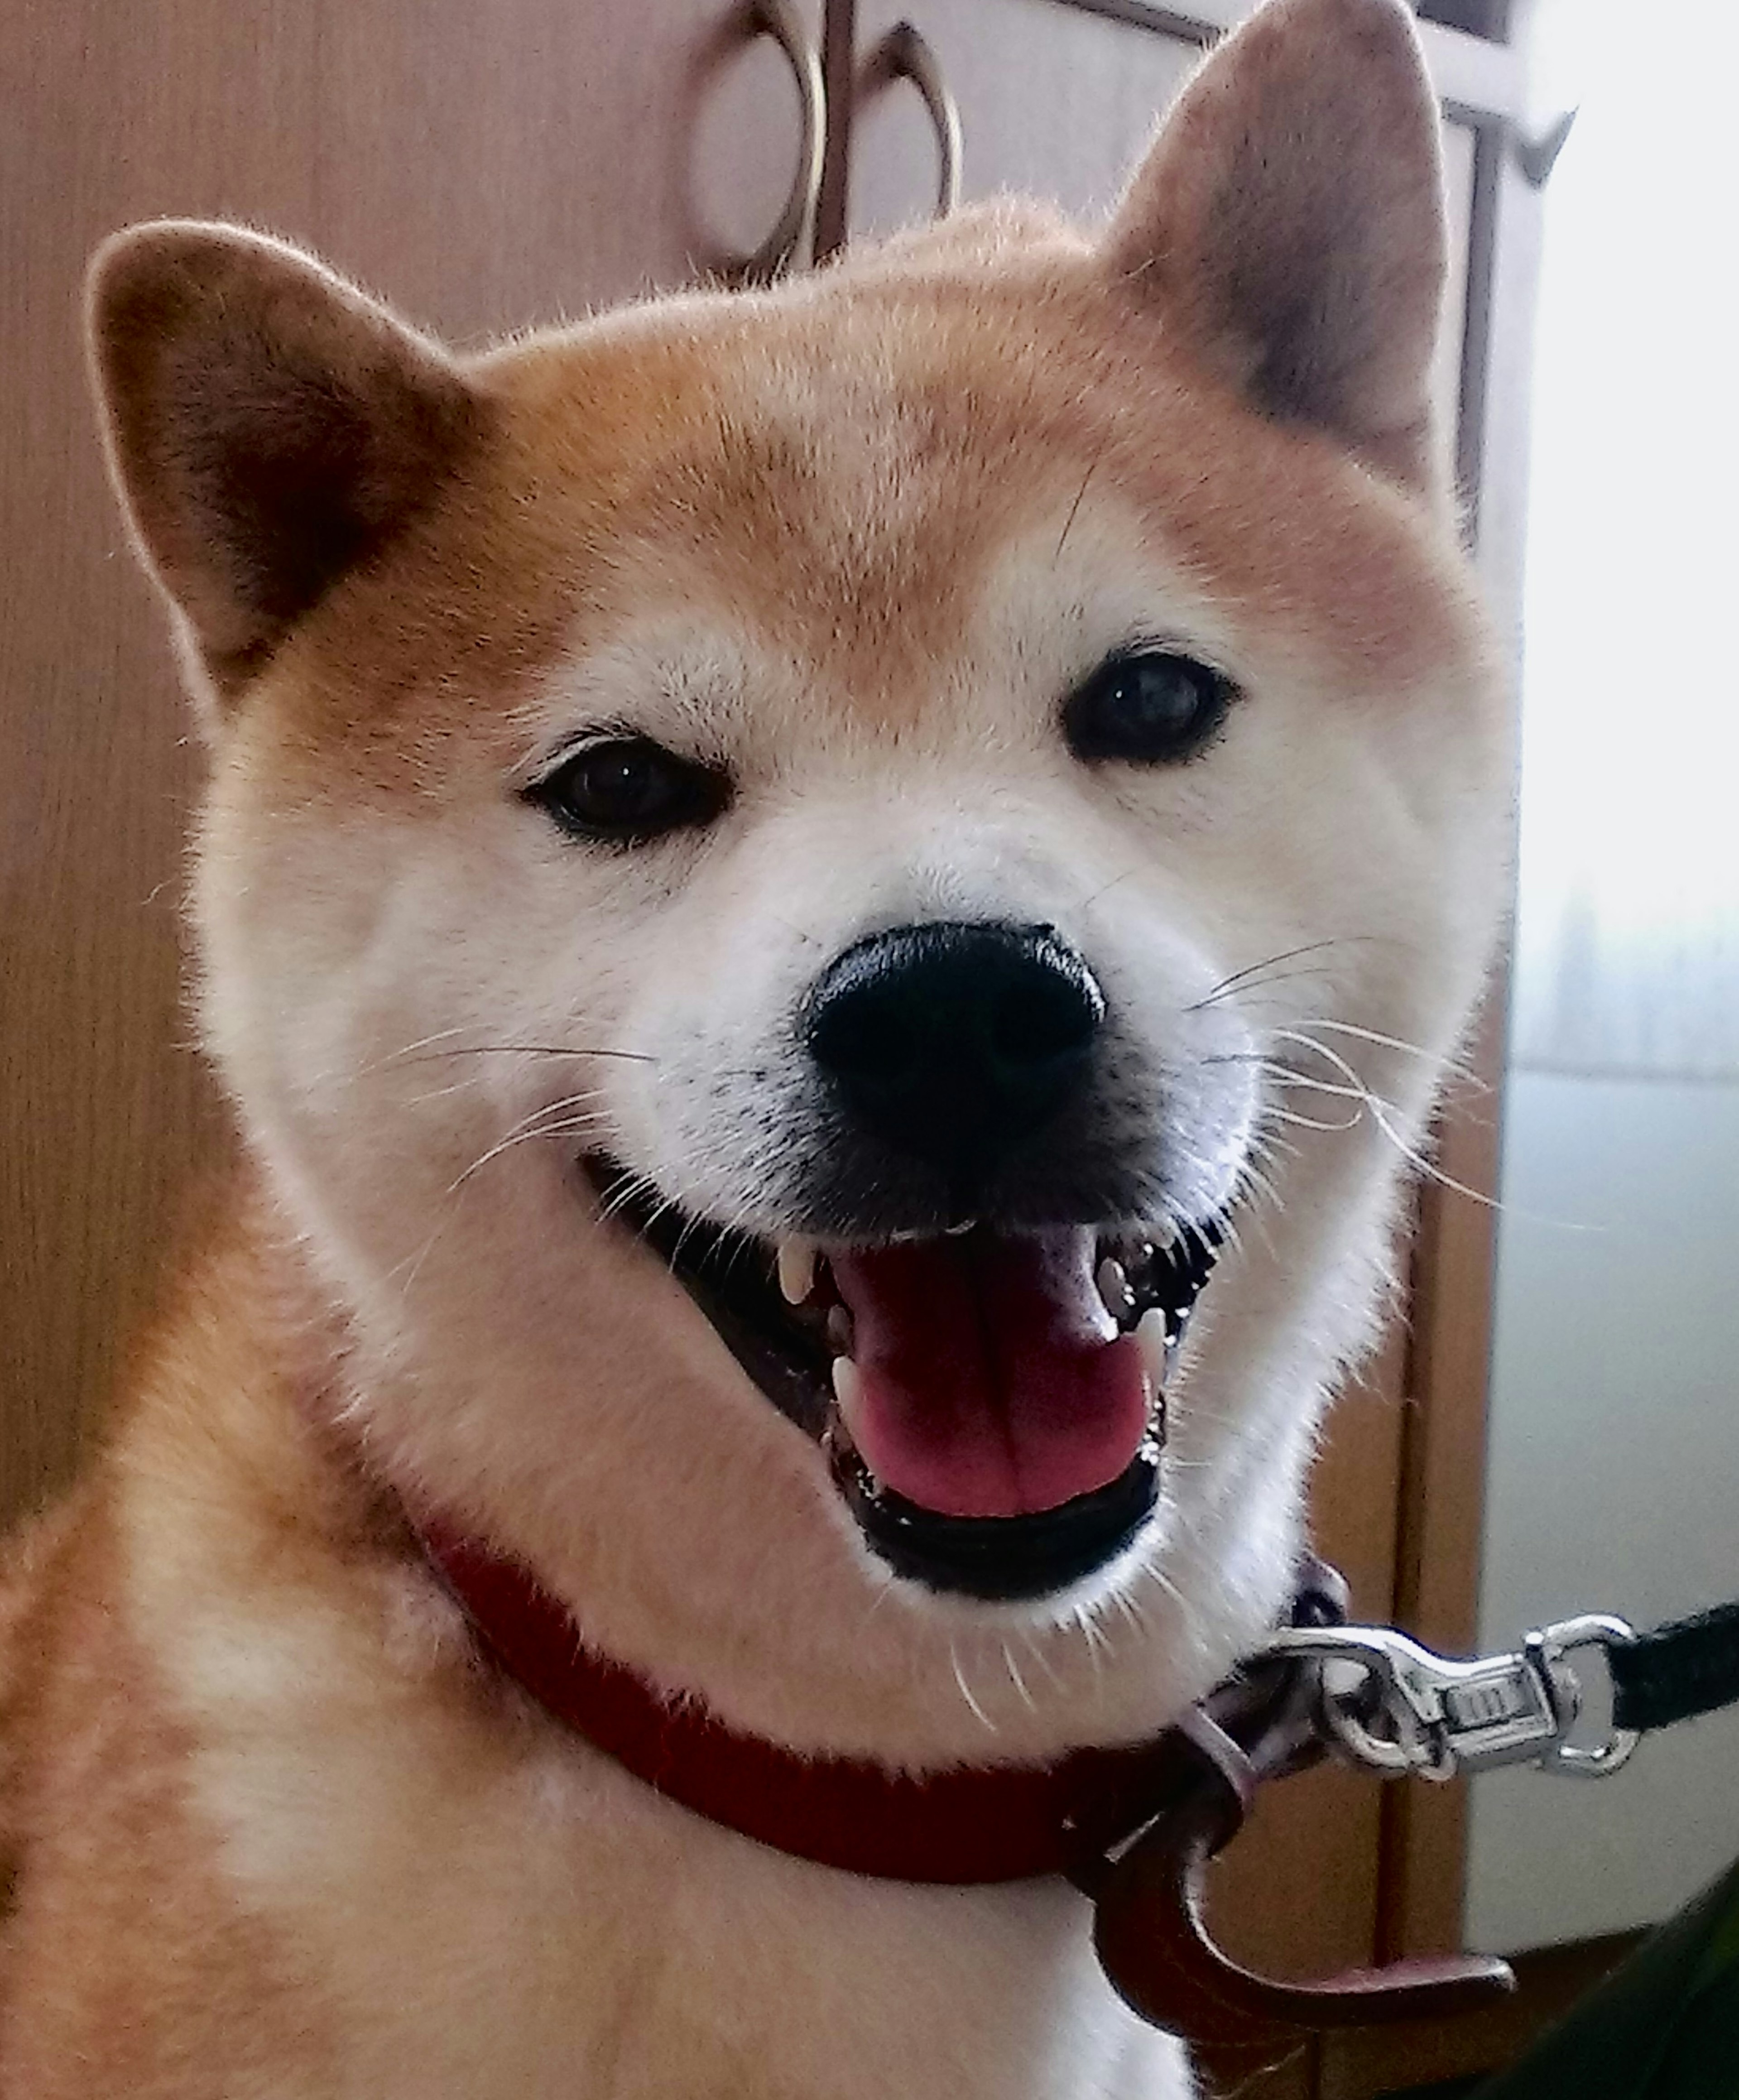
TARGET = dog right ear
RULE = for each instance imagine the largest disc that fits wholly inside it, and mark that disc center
(1288, 226)
(268, 427)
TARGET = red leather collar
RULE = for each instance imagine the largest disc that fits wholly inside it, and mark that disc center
(967, 1824)
(1133, 1828)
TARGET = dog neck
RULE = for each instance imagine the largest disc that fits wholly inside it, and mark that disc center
(962, 1825)
(923, 1817)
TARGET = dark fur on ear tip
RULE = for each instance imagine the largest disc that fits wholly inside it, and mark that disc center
(1289, 222)
(268, 426)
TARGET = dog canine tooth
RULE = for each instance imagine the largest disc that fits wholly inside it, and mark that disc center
(848, 1388)
(796, 1269)
(1150, 1333)
(841, 1333)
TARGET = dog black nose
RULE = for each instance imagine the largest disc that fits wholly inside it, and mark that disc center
(954, 1042)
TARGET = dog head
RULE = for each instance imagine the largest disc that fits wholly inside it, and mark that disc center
(831, 910)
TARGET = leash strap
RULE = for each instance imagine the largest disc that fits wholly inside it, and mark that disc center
(1388, 1704)
(1677, 1672)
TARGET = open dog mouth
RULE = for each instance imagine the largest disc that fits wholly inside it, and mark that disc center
(992, 1405)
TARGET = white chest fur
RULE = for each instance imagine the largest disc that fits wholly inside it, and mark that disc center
(522, 1918)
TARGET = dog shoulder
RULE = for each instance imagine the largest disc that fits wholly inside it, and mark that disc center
(125, 1960)
(33, 1577)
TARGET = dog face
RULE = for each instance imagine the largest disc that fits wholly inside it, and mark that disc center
(790, 880)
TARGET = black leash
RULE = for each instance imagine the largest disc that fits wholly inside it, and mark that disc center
(1677, 1672)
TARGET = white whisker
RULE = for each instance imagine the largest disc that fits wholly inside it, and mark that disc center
(1098, 1647)
(578, 1126)
(965, 1689)
(1017, 1679)
(1453, 1067)
(1380, 1113)
(1036, 1649)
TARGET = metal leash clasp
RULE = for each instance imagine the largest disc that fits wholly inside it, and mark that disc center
(1395, 1706)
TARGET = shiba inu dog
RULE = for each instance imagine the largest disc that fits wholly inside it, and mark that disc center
(828, 913)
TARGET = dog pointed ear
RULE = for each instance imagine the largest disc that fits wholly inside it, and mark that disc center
(267, 426)
(1288, 223)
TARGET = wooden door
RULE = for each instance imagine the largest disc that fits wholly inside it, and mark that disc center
(483, 165)
(1057, 100)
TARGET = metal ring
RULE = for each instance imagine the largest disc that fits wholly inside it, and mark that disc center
(906, 54)
(1556, 1644)
(780, 20)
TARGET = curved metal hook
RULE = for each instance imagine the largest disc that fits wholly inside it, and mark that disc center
(905, 53)
(780, 20)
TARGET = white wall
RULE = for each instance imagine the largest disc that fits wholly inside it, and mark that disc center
(1614, 1480)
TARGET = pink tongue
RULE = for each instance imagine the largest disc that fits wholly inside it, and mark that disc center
(993, 1382)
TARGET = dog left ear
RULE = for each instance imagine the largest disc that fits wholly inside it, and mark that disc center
(1289, 224)
(269, 428)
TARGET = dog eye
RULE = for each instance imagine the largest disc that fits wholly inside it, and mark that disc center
(1146, 706)
(628, 790)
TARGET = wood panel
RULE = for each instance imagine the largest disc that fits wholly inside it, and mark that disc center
(484, 166)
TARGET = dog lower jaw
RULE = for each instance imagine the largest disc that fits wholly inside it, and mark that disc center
(778, 1309)
(1015, 1560)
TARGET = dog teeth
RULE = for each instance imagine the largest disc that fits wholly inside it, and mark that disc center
(1113, 1281)
(1151, 1334)
(840, 1332)
(848, 1388)
(796, 1269)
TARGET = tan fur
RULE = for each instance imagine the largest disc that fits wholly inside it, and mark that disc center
(276, 1830)
(127, 1948)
